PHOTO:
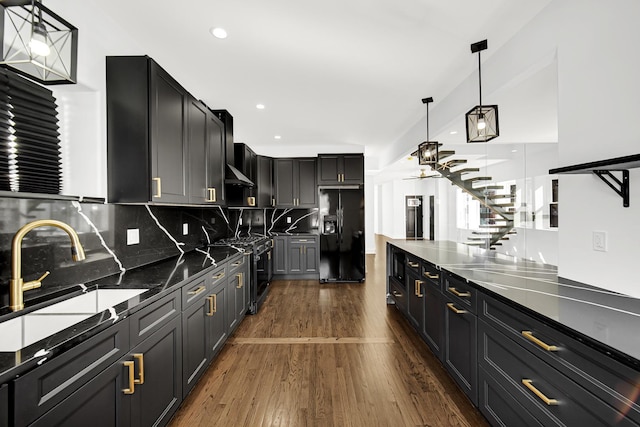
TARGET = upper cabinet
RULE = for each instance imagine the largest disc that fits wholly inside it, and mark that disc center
(163, 146)
(264, 182)
(335, 169)
(295, 183)
(245, 160)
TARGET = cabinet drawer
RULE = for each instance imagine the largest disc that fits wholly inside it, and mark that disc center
(398, 293)
(46, 386)
(610, 380)
(460, 292)
(430, 274)
(307, 240)
(237, 264)
(499, 406)
(550, 396)
(194, 291)
(152, 317)
(216, 277)
(413, 264)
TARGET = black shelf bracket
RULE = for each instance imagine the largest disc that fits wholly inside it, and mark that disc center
(620, 187)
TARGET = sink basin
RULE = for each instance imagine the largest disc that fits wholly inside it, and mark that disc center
(25, 330)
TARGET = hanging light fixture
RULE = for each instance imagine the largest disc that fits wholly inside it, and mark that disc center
(482, 120)
(37, 43)
(428, 150)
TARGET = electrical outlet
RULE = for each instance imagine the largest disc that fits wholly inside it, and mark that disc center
(185, 229)
(133, 236)
(288, 220)
(600, 241)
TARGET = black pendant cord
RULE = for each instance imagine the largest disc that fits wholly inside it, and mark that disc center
(480, 79)
(427, 122)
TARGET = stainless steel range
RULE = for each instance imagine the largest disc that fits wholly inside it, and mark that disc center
(260, 249)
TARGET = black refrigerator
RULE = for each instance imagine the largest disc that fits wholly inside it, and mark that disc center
(342, 247)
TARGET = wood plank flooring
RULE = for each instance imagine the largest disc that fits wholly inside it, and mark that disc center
(327, 355)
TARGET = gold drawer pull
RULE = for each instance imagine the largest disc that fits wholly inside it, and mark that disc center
(454, 309)
(240, 280)
(197, 291)
(458, 293)
(213, 304)
(396, 293)
(430, 276)
(158, 187)
(413, 264)
(418, 284)
(529, 335)
(269, 255)
(237, 263)
(131, 389)
(251, 201)
(212, 195)
(218, 276)
(140, 358)
(545, 399)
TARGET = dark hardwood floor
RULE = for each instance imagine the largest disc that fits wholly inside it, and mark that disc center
(327, 355)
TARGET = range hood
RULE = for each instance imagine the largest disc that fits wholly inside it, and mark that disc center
(234, 177)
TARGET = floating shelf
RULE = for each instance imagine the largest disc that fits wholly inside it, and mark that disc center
(603, 168)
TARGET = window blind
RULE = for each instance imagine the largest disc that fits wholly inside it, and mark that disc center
(30, 157)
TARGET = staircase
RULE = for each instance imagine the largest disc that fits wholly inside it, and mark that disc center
(498, 211)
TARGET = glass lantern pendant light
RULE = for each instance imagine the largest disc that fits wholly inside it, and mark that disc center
(481, 120)
(428, 150)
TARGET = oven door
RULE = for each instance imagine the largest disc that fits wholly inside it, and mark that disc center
(264, 272)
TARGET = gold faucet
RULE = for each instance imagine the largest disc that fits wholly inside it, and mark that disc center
(18, 286)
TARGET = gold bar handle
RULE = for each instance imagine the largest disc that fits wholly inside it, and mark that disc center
(396, 293)
(529, 335)
(430, 276)
(237, 263)
(158, 187)
(273, 201)
(212, 305)
(131, 389)
(140, 358)
(338, 177)
(458, 293)
(218, 276)
(197, 291)
(528, 384)
(413, 264)
(240, 280)
(454, 309)
(303, 240)
(418, 284)
(251, 201)
(269, 255)
(212, 195)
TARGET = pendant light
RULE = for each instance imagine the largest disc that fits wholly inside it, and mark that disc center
(428, 150)
(481, 120)
(37, 43)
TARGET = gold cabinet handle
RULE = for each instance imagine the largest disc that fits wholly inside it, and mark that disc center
(529, 335)
(302, 240)
(213, 304)
(413, 264)
(240, 280)
(528, 384)
(158, 187)
(458, 293)
(273, 201)
(342, 177)
(218, 276)
(212, 195)
(418, 284)
(454, 309)
(237, 263)
(269, 255)
(140, 358)
(197, 291)
(396, 293)
(251, 201)
(430, 276)
(131, 389)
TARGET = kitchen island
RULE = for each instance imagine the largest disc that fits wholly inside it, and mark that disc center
(527, 347)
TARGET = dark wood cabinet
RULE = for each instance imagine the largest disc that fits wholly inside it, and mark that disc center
(415, 287)
(280, 266)
(216, 162)
(246, 161)
(4, 405)
(264, 182)
(302, 255)
(217, 314)
(195, 332)
(433, 326)
(237, 291)
(295, 183)
(335, 169)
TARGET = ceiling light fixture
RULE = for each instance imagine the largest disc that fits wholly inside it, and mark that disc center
(219, 33)
(428, 150)
(37, 43)
(481, 120)
(277, 137)
(260, 106)
(453, 132)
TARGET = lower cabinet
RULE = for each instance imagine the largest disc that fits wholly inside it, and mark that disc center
(280, 255)
(238, 292)
(4, 405)
(297, 256)
(433, 325)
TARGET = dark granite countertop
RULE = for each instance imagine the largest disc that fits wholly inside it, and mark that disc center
(604, 319)
(157, 279)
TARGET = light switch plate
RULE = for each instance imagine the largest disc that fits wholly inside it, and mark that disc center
(133, 236)
(185, 229)
(600, 241)
(288, 220)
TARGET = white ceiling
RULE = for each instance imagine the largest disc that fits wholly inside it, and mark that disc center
(333, 75)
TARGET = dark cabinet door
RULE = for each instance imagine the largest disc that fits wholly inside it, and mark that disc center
(415, 309)
(353, 169)
(310, 252)
(239, 282)
(264, 182)
(284, 184)
(460, 351)
(295, 258)
(217, 315)
(159, 395)
(306, 178)
(168, 138)
(215, 160)
(99, 403)
(335, 169)
(328, 169)
(433, 326)
(198, 142)
(4, 405)
(195, 343)
(280, 255)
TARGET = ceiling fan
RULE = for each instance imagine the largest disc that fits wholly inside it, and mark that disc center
(424, 174)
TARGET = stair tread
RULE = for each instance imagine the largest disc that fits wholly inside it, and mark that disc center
(467, 170)
(478, 178)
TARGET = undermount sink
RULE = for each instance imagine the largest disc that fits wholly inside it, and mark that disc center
(22, 331)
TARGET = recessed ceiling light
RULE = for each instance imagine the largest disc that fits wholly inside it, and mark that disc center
(277, 137)
(260, 106)
(514, 151)
(219, 33)
(453, 132)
